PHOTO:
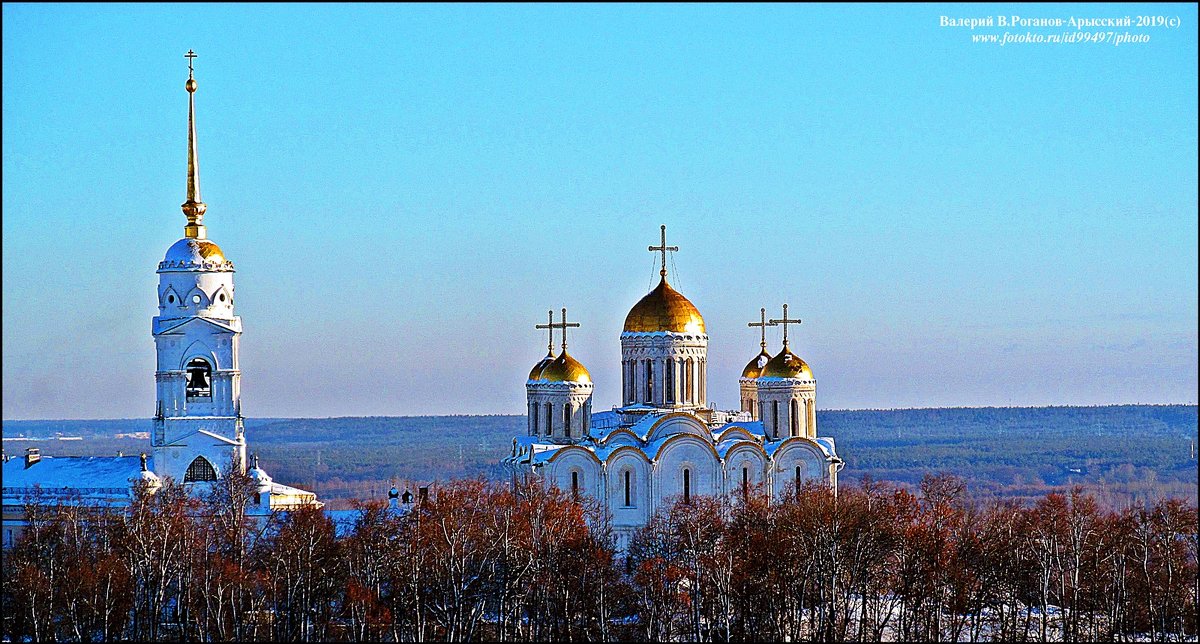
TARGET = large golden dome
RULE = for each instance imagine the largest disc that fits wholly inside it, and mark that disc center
(565, 369)
(664, 309)
(755, 367)
(787, 365)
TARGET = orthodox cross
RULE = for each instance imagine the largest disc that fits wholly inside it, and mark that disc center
(785, 322)
(564, 325)
(663, 248)
(549, 325)
(190, 55)
(762, 314)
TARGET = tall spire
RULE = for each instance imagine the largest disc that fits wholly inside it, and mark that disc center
(193, 207)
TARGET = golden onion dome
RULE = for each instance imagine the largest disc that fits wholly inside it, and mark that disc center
(755, 367)
(664, 309)
(565, 369)
(536, 372)
(786, 365)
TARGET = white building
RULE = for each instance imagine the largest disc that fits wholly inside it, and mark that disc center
(198, 418)
(666, 442)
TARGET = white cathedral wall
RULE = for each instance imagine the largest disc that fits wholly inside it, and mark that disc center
(665, 350)
(691, 453)
(583, 463)
(802, 453)
(637, 513)
(750, 458)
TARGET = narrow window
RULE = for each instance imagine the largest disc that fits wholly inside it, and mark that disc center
(200, 470)
(795, 418)
(798, 479)
(689, 381)
(649, 381)
(575, 484)
(745, 480)
(549, 421)
(669, 387)
(627, 488)
(567, 420)
(775, 418)
(199, 379)
(687, 485)
(533, 419)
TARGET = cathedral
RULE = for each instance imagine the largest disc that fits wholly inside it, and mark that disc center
(665, 442)
(198, 429)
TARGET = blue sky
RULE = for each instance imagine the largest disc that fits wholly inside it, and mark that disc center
(405, 190)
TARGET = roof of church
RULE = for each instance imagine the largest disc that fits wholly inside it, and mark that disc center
(93, 476)
(530, 449)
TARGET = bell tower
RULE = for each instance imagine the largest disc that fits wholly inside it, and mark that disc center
(197, 422)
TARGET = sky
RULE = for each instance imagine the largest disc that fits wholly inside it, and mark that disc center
(406, 190)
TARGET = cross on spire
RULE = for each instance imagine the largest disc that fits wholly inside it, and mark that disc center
(551, 326)
(564, 325)
(190, 55)
(785, 322)
(663, 248)
(762, 314)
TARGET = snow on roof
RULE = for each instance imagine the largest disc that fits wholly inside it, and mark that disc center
(87, 475)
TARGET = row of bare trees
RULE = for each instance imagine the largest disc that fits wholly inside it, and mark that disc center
(481, 561)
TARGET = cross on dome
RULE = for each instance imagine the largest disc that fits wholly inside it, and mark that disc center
(564, 325)
(762, 314)
(663, 248)
(551, 326)
(785, 322)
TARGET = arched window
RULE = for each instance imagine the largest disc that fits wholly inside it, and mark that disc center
(799, 478)
(649, 381)
(628, 488)
(687, 485)
(549, 420)
(689, 381)
(587, 417)
(200, 470)
(533, 418)
(199, 379)
(795, 418)
(567, 420)
(774, 419)
(669, 387)
(745, 480)
(575, 483)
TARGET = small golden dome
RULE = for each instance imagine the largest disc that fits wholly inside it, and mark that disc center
(536, 372)
(755, 367)
(787, 365)
(565, 369)
(664, 309)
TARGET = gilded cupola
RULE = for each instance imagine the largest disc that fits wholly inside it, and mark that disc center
(564, 368)
(664, 309)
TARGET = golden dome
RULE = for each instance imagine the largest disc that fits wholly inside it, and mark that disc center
(536, 372)
(664, 309)
(565, 369)
(754, 368)
(787, 365)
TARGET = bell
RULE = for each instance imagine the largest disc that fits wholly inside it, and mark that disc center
(196, 379)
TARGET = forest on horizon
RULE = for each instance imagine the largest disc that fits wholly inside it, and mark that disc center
(1120, 453)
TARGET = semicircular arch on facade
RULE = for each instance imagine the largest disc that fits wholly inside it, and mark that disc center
(587, 469)
(735, 429)
(750, 456)
(679, 422)
(622, 436)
